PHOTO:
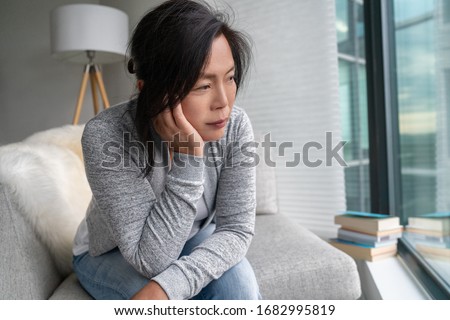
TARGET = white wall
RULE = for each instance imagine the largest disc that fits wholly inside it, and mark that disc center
(38, 92)
(119, 83)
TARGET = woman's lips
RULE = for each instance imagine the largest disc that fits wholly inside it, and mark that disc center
(218, 124)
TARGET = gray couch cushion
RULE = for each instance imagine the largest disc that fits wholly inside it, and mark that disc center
(291, 262)
(70, 289)
(266, 182)
(27, 270)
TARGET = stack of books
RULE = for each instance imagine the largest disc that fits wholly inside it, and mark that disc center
(430, 234)
(367, 236)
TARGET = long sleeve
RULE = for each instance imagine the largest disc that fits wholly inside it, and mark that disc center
(235, 218)
(149, 232)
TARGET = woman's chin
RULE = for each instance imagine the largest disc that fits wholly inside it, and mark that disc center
(212, 136)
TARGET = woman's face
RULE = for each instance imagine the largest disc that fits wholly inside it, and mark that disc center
(208, 106)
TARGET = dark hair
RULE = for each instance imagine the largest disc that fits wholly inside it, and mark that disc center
(169, 48)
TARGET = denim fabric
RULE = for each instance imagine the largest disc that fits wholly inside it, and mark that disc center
(110, 277)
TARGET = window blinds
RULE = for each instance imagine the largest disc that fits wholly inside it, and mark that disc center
(293, 95)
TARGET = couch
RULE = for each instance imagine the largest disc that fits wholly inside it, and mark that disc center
(44, 194)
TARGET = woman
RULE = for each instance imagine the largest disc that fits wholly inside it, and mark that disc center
(172, 213)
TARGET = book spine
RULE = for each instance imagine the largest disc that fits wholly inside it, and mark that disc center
(426, 226)
(367, 225)
(425, 237)
(359, 236)
(372, 243)
(352, 236)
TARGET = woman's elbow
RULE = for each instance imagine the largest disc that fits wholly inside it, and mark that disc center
(150, 265)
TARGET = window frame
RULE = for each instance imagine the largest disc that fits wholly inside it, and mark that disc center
(384, 137)
(352, 62)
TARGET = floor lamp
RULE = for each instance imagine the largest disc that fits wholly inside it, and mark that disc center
(91, 35)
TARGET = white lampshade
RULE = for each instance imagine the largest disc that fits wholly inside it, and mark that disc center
(77, 28)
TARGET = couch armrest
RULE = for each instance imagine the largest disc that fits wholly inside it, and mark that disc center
(290, 262)
(27, 270)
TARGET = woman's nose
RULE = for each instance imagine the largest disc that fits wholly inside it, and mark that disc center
(220, 98)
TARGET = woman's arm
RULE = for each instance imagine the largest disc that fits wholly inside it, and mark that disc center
(149, 233)
(235, 217)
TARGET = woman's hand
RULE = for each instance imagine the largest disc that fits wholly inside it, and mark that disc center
(172, 126)
(152, 291)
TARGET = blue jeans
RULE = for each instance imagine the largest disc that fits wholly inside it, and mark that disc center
(110, 277)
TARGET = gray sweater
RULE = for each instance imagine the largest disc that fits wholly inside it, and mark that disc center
(150, 218)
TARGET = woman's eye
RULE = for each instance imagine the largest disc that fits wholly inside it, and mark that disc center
(231, 78)
(205, 87)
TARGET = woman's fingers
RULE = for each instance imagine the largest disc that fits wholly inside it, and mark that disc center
(168, 120)
(172, 126)
(165, 124)
(178, 115)
(180, 120)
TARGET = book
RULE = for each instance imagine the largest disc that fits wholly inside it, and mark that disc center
(435, 221)
(359, 251)
(371, 240)
(376, 233)
(430, 250)
(416, 236)
(367, 222)
(433, 233)
(365, 214)
(382, 256)
(364, 252)
(436, 215)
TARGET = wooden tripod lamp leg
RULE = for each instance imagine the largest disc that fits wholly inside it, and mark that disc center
(79, 105)
(101, 86)
(94, 85)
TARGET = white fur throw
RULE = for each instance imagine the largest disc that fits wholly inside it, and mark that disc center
(46, 176)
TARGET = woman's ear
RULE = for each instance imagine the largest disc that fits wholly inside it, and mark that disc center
(140, 84)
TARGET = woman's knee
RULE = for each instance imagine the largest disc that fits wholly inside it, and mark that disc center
(108, 276)
(238, 283)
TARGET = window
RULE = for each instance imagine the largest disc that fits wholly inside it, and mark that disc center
(415, 47)
(353, 102)
(422, 57)
(407, 72)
